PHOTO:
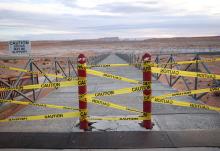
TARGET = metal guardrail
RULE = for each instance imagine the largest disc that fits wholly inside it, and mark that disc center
(83, 96)
(65, 66)
(171, 58)
(93, 60)
(25, 80)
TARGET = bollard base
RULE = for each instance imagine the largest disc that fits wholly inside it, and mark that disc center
(88, 128)
(147, 124)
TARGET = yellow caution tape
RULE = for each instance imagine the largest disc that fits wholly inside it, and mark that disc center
(34, 72)
(157, 65)
(111, 76)
(184, 73)
(46, 85)
(83, 114)
(38, 104)
(192, 61)
(108, 65)
(184, 104)
(180, 62)
(184, 93)
(119, 91)
(123, 118)
(43, 117)
(81, 66)
(113, 105)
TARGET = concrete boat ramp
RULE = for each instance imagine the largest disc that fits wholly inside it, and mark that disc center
(174, 126)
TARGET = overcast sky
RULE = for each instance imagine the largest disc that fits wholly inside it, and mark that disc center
(84, 19)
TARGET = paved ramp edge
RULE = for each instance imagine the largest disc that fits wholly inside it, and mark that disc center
(111, 140)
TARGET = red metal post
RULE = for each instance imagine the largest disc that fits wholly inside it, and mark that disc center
(147, 92)
(82, 90)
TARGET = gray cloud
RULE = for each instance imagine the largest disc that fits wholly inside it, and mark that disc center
(149, 16)
(153, 2)
(129, 8)
(168, 22)
(38, 20)
(69, 3)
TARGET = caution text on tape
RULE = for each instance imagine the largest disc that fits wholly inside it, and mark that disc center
(109, 65)
(113, 105)
(38, 104)
(46, 85)
(43, 117)
(147, 64)
(120, 91)
(124, 118)
(184, 73)
(192, 61)
(184, 104)
(111, 76)
(185, 93)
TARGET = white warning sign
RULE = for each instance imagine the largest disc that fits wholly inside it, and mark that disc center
(19, 46)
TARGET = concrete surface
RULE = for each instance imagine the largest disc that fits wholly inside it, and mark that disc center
(177, 123)
(110, 139)
(165, 117)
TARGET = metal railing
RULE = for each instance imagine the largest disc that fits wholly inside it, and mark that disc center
(65, 66)
(25, 80)
(167, 59)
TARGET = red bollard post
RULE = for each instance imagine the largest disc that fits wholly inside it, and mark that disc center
(147, 91)
(82, 90)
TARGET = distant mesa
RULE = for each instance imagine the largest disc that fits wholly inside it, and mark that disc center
(109, 39)
(183, 39)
